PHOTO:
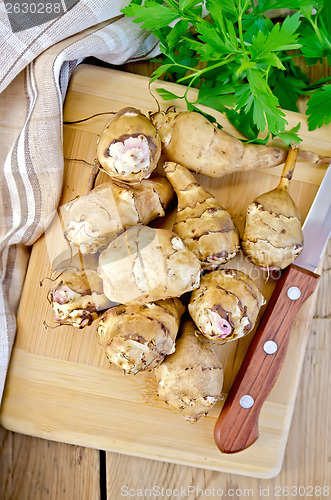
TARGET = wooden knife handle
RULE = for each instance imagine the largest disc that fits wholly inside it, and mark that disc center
(237, 425)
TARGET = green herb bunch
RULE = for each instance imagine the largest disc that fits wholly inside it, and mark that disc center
(241, 61)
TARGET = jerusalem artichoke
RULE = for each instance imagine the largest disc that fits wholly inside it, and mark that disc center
(138, 338)
(273, 236)
(129, 147)
(190, 381)
(145, 264)
(77, 297)
(95, 219)
(226, 305)
(203, 224)
(191, 140)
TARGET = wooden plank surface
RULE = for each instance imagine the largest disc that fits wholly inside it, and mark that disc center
(62, 373)
(36, 469)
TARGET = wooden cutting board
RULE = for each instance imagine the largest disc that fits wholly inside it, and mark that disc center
(60, 385)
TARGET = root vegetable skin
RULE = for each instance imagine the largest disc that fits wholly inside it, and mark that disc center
(203, 224)
(273, 236)
(190, 381)
(98, 217)
(225, 307)
(190, 139)
(145, 265)
(129, 147)
(138, 338)
(77, 297)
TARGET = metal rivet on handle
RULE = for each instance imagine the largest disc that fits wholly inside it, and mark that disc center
(294, 293)
(270, 347)
(246, 401)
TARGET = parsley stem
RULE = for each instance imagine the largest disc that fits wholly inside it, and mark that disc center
(176, 64)
(240, 29)
(200, 72)
(171, 4)
(188, 86)
(315, 28)
(325, 31)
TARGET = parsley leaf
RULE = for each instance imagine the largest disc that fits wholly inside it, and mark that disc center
(176, 33)
(318, 108)
(214, 40)
(216, 96)
(290, 136)
(167, 95)
(264, 104)
(264, 5)
(160, 71)
(287, 88)
(282, 37)
(156, 16)
(243, 122)
(188, 4)
(315, 31)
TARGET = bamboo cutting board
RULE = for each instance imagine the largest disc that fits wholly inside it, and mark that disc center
(60, 385)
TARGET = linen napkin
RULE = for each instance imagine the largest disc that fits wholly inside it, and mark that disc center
(36, 62)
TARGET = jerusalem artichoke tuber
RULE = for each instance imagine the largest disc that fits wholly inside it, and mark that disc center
(226, 305)
(95, 219)
(203, 224)
(138, 338)
(273, 236)
(77, 297)
(129, 147)
(145, 264)
(190, 381)
(191, 140)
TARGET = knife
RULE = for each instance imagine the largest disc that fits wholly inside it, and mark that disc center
(237, 424)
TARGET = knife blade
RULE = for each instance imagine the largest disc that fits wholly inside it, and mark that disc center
(237, 426)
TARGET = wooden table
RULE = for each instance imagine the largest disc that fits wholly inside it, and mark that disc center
(32, 468)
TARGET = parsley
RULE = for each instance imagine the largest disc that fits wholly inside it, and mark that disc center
(318, 107)
(240, 60)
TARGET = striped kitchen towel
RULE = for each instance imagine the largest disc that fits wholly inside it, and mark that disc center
(36, 64)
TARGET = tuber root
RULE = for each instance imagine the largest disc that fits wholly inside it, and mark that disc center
(191, 140)
(273, 236)
(77, 297)
(203, 224)
(225, 307)
(190, 381)
(146, 264)
(129, 147)
(137, 338)
(98, 217)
